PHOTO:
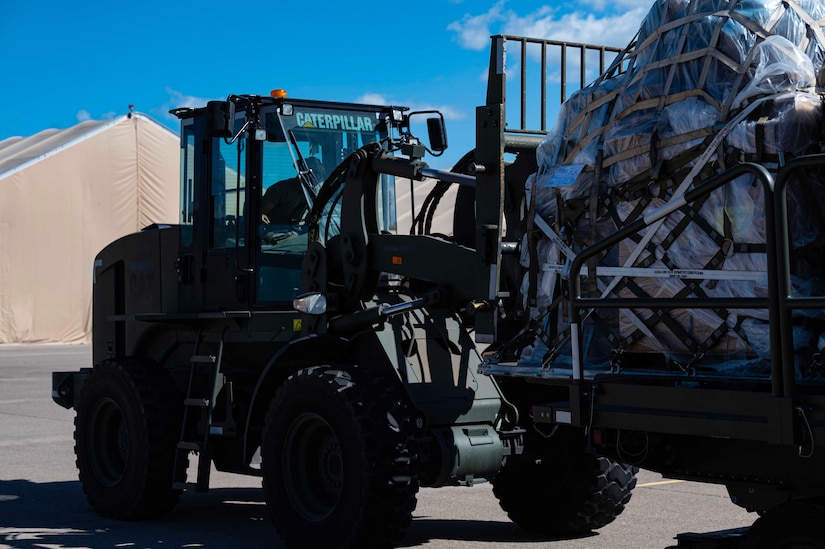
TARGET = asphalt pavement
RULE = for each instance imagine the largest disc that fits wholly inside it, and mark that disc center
(42, 504)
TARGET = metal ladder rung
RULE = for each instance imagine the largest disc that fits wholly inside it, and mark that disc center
(222, 429)
(194, 446)
(187, 486)
(204, 404)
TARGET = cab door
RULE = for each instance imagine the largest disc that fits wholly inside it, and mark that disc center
(227, 271)
(281, 241)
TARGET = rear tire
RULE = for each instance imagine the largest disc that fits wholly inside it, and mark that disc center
(126, 430)
(339, 462)
(562, 490)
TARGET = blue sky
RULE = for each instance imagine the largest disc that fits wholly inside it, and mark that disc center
(65, 62)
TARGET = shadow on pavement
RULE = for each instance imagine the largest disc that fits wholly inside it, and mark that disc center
(425, 530)
(54, 515)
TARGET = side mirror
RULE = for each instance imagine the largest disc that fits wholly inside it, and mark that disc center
(220, 118)
(437, 133)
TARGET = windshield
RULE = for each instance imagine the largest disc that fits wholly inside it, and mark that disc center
(324, 138)
(304, 144)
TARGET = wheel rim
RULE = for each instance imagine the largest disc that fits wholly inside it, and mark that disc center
(108, 444)
(313, 467)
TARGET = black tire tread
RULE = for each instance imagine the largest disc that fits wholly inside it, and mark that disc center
(541, 499)
(161, 411)
(387, 445)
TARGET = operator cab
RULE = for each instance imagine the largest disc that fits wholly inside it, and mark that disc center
(251, 168)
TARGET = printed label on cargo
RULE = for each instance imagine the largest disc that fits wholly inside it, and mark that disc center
(565, 175)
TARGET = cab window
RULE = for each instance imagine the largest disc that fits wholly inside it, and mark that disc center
(187, 185)
(227, 194)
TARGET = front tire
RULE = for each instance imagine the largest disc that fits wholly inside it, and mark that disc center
(126, 429)
(559, 489)
(339, 461)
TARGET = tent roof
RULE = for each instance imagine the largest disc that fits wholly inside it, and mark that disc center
(17, 153)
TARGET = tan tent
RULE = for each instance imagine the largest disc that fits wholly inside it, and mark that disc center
(64, 194)
(413, 196)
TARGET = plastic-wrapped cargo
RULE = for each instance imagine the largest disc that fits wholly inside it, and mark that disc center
(705, 84)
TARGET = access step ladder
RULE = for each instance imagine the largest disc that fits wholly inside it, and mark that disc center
(205, 383)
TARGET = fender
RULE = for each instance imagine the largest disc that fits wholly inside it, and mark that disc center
(310, 350)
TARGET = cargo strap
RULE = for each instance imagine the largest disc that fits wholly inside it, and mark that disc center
(531, 249)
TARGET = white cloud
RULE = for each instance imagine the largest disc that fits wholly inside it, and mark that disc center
(179, 99)
(618, 5)
(613, 30)
(83, 115)
(449, 112)
(611, 23)
(474, 30)
(371, 98)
